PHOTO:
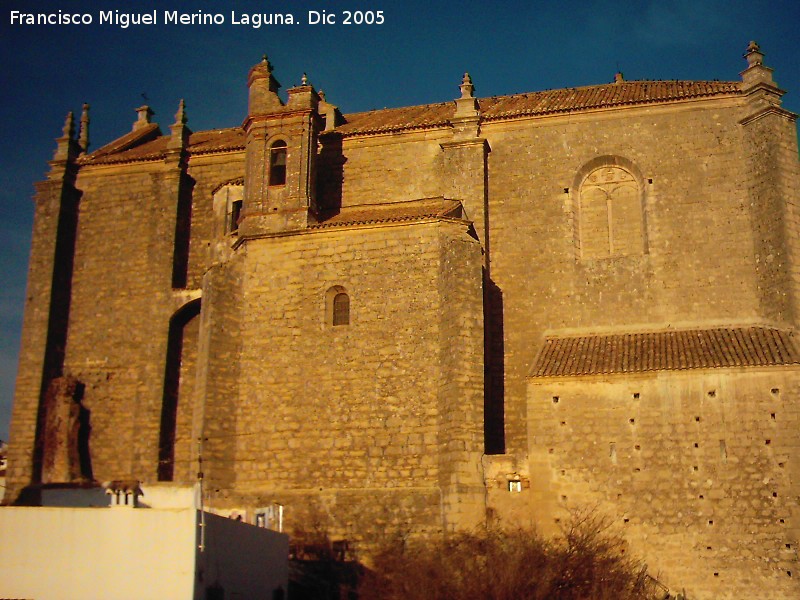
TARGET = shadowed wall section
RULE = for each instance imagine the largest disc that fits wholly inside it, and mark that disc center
(175, 432)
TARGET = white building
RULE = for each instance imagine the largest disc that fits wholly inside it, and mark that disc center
(148, 544)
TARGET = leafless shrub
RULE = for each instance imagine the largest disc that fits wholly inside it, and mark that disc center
(586, 561)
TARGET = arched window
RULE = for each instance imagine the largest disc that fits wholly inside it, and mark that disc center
(277, 163)
(337, 306)
(341, 309)
(610, 217)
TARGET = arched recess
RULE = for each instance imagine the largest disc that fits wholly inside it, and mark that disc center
(608, 208)
(277, 163)
(179, 371)
(337, 306)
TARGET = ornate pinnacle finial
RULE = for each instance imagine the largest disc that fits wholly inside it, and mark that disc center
(83, 137)
(180, 116)
(179, 133)
(754, 55)
(65, 145)
(321, 95)
(265, 62)
(467, 105)
(69, 125)
(758, 76)
(466, 86)
(304, 79)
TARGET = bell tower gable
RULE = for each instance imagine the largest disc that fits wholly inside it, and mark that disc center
(280, 155)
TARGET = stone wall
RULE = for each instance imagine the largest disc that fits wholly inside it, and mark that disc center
(23, 453)
(375, 428)
(120, 314)
(698, 263)
(364, 410)
(392, 168)
(121, 302)
(696, 468)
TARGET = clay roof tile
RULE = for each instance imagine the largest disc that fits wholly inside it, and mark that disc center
(217, 140)
(604, 354)
(413, 210)
(144, 145)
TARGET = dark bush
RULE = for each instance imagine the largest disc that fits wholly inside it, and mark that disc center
(586, 561)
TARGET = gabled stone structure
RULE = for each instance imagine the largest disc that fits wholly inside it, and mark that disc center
(411, 320)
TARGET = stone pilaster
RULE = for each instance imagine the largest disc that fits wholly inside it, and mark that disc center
(461, 391)
(465, 160)
(47, 308)
(176, 187)
(773, 174)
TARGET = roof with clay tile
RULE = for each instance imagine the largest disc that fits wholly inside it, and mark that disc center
(142, 145)
(394, 212)
(625, 93)
(202, 142)
(425, 116)
(603, 354)
(148, 136)
(217, 140)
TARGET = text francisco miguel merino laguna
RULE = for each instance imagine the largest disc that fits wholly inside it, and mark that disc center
(199, 17)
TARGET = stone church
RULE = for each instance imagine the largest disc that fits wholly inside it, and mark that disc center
(413, 320)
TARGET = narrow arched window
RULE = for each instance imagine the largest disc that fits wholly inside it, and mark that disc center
(337, 306)
(277, 163)
(341, 309)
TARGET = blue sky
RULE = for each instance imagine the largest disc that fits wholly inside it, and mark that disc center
(416, 56)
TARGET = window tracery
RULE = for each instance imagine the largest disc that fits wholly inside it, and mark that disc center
(610, 216)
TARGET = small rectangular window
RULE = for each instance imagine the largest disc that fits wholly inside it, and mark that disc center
(233, 217)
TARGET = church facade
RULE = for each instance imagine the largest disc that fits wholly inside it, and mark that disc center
(419, 319)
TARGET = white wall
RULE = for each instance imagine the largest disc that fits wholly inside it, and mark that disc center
(58, 553)
(97, 553)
